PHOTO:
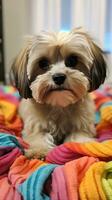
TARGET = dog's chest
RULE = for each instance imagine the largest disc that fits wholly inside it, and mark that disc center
(59, 125)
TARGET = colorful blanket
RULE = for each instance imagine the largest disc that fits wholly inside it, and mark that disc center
(72, 171)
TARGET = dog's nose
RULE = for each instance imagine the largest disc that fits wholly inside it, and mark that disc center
(59, 78)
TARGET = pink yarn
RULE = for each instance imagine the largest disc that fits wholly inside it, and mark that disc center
(7, 159)
(61, 155)
(59, 190)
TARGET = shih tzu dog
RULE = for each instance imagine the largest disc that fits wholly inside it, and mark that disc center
(54, 74)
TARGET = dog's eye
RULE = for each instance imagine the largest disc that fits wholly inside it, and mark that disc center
(44, 63)
(71, 61)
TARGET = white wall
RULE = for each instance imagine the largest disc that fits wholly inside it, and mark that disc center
(109, 69)
(23, 17)
(15, 26)
(42, 15)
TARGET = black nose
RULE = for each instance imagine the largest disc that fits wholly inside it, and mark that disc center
(59, 78)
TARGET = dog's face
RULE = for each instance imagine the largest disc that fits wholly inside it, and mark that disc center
(59, 63)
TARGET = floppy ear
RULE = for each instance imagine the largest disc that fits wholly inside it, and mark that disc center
(19, 72)
(98, 69)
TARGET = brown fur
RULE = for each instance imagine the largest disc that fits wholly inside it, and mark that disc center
(44, 125)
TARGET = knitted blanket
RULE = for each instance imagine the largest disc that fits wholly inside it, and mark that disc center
(72, 171)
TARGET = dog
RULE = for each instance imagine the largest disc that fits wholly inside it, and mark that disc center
(54, 73)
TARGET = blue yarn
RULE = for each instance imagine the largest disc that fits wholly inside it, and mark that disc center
(32, 188)
(97, 113)
(7, 140)
(97, 117)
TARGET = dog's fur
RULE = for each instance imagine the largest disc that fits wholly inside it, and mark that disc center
(45, 125)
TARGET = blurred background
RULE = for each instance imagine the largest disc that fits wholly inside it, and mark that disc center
(24, 17)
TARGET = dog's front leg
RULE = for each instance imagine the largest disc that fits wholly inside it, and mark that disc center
(40, 145)
(79, 137)
(82, 135)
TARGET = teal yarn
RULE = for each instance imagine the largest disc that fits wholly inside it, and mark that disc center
(32, 188)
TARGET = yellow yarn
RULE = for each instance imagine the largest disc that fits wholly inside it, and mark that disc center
(91, 185)
(7, 109)
(107, 180)
(106, 113)
(97, 149)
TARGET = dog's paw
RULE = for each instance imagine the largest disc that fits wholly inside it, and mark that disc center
(39, 147)
(33, 154)
(49, 140)
(79, 137)
(30, 153)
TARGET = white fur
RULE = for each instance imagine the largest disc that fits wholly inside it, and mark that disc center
(46, 126)
(42, 123)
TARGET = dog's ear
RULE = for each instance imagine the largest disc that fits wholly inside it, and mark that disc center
(18, 72)
(97, 73)
(98, 69)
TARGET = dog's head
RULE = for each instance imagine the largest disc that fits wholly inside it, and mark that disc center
(59, 62)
